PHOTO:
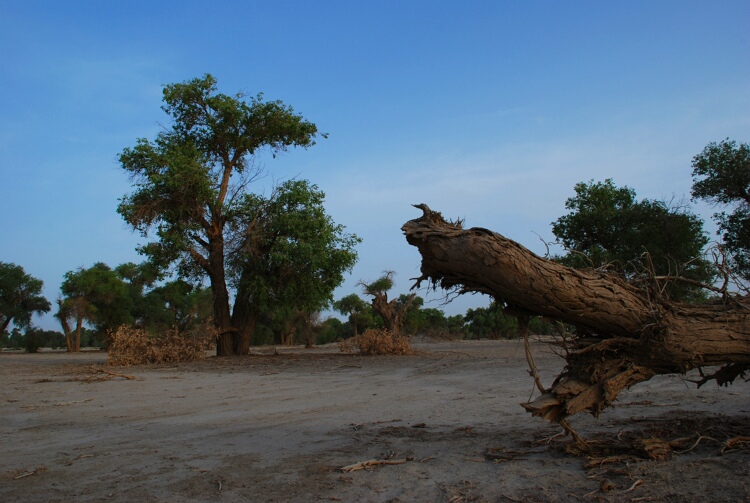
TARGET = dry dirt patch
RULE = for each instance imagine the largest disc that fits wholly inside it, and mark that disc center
(279, 427)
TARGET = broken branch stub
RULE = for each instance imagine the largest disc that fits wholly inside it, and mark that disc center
(632, 335)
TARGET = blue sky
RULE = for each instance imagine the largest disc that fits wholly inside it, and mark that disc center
(489, 111)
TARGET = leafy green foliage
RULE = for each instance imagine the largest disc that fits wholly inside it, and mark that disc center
(380, 285)
(176, 306)
(432, 322)
(20, 296)
(32, 339)
(721, 176)
(182, 179)
(429, 321)
(107, 298)
(608, 227)
(359, 312)
(491, 322)
(291, 255)
(350, 304)
(494, 322)
(417, 320)
(331, 330)
(190, 182)
(97, 295)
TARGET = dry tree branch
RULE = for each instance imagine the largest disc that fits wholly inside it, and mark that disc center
(364, 465)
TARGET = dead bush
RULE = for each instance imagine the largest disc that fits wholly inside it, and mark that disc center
(377, 342)
(134, 346)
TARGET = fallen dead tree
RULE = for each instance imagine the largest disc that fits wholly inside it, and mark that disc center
(626, 334)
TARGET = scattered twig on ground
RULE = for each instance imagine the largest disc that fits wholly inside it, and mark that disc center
(548, 440)
(499, 455)
(591, 493)
(30, 473)
(82, 456)
(364, 465)
(598, 462)
(96, 374)
(576, 437)
(115, 374)
(648, 403)
(65, 404)
(700, 437)
(635, 484)
(732, 442)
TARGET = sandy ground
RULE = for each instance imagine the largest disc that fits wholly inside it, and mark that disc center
(281, 427)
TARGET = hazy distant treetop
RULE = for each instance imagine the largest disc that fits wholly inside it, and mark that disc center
(20, 296)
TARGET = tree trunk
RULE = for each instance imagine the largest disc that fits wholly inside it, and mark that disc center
(391, 312)
(288, 330)
(222, 318)
(626, 334)
(65, 324)
(353, 320)
(79, 326)
(386, 310)
(244, 319)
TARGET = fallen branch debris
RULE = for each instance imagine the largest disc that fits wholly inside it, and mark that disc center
(635, 484)
(366, 465)
(65, 404)
(96, 374)
(625, 333)
(30, 473)
(735, 443)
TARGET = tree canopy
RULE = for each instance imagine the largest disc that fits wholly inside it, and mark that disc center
(289, 258)
(175, 306)
(721, 176)
(20, 296)
(608, 227)
(359, 312)
(97, 295)
(190, 182)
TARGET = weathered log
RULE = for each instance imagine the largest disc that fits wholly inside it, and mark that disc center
(632, 333)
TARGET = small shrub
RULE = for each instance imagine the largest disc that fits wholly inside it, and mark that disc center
(377, 342)
(133, 346)
(31, 342)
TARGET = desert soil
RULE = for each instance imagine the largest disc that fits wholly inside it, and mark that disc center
(280, 427)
